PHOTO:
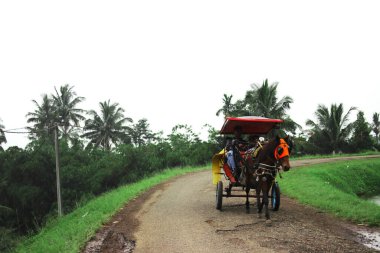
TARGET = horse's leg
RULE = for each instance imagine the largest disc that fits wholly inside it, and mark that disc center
(259, 204)
(247, 188)
(265, 199)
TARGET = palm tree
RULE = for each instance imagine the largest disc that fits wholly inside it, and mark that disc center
(2, 135)
(227, 106)
(107, 128)
(65, 102)
(43, 118)
(290, 125)
(240, 108)
(262, 101)
(332, 125)
(376, 126)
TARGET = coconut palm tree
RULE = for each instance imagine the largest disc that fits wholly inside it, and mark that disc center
(262, 101)
(240, 108)
(108, 127)
(65, 102)
(227, 106)
(376, 126)
(332, 124)
(43, 118)
(2, 135)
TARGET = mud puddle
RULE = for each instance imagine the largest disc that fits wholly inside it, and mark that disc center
(369, 239)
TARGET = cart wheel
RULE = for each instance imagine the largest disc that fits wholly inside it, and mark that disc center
(275, 201)
(219, 195)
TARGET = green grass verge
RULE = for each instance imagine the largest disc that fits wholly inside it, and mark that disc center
(336, 187)
(333, 156)
(72, 231)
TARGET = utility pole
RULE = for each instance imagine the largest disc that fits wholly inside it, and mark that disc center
(57, 171)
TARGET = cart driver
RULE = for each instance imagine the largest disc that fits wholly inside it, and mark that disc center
(233, 151)
(253, 142)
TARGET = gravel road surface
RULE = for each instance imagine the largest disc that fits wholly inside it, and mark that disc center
(180, 216)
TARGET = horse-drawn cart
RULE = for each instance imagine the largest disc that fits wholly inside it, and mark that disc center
(258, 166)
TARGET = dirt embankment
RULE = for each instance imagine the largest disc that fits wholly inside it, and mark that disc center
(180, 216)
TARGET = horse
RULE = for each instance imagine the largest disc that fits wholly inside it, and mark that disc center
(260, 170)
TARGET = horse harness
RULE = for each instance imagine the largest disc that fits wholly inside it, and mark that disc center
(271, 170)
(267, 170)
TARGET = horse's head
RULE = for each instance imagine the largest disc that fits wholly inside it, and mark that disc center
(282, 151)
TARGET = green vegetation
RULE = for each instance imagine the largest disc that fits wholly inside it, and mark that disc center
(2, 136)
(376, 126)
(72, 231)
(364, 153)
(98, 153)
(338, 188)
(102, 150)
(27, 176)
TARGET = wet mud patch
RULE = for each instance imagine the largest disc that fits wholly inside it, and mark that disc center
(117, 235)
(370, 239)
(117, 242)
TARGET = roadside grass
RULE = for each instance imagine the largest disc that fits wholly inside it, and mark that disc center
(303, 157)
(339, 188)
(72, 231)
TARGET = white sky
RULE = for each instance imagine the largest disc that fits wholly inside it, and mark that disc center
(172, 61)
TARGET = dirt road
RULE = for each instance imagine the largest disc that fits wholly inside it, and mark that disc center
(180, 216)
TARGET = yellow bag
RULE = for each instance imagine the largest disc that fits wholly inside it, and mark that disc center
(217, 164)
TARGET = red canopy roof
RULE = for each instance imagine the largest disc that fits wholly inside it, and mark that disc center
(250, 125)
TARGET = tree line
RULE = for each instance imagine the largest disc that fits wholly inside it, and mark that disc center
(330, 132)
(99, 150)
(103, 149)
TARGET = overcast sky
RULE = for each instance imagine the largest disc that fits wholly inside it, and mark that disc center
(172, 61)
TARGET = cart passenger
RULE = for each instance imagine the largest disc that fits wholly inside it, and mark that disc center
(233, 150)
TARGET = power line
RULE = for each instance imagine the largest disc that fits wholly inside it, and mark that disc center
(12, 131)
